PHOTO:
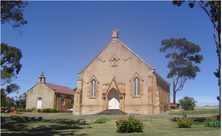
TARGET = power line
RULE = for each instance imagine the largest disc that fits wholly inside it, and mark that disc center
(47, 82)
(24, 80)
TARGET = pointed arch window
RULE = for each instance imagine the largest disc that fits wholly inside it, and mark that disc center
(93, 88)
(136, 87)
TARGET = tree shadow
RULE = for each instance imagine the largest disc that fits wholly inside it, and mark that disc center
(12, 126)
(45, 127)
(43, 134)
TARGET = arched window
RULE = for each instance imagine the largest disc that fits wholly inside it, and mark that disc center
(93, 89)
(136, 87)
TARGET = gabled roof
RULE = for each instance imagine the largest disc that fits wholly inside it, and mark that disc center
(125, 47)
(60, 89)
(136, 55)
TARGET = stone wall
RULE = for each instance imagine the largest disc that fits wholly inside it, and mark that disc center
(40, 91)
(164, 90)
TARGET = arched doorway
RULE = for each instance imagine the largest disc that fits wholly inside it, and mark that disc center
(39, 103)
(113, 100)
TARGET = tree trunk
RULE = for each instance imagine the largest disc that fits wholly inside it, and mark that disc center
(174, 97)
(219, 92)
(174, 90)
(220, 103)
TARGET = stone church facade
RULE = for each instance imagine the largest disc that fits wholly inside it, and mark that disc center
(117, 78)
(44, 95)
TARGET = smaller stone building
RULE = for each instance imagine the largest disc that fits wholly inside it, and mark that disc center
(44, 95)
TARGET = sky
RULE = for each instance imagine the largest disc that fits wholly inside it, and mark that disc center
(62, 38)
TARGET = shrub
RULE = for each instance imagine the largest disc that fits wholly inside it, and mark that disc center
(30, 110)
(48, 110)
(186, 123)
(53, 110)
(125, 125)
(43, 110)
(187, 103)
(212, 121)
(100, 121)
(39, 110)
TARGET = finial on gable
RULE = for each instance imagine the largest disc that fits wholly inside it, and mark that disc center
(42, 74)
(115, 34)
(41, 79)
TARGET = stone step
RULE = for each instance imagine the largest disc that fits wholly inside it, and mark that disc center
(111, 112)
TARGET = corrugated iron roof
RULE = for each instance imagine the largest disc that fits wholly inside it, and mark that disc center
(60, 89)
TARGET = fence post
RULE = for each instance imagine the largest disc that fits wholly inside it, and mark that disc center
(184, 115)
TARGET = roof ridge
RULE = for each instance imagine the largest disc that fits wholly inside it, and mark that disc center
(136, 55)
(59, 88)
(57, 85)
(96, 56)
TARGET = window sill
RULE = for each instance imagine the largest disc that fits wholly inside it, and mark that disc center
(92, 97)
(136, 96)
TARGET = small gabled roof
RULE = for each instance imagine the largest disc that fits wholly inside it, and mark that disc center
(61, 89)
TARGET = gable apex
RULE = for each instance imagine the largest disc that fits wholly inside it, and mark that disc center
(115, 34)
(114, 55)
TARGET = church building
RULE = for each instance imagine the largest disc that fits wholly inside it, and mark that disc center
(44, 95)
(117, 78)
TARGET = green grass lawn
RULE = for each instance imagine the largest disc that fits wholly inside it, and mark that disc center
(156, 126)
(67, 125)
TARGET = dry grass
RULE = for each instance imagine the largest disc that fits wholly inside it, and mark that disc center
(197, 111)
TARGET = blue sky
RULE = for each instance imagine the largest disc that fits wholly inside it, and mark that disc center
(62, 38)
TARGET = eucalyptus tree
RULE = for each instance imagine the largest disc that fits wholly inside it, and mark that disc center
(10, 67)
(184, 61)
(213, 10)
(12, 12)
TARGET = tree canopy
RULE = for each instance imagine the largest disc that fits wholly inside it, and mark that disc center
(184, 60)
(18, 102)
(10, 67)
(213, 11)
(187, 103)
(12, 12)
